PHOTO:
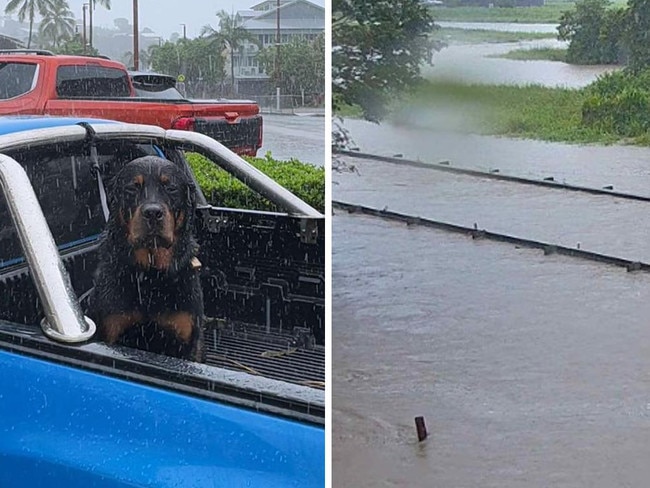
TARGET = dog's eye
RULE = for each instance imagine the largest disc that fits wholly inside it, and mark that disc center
(171, 188)
(132, 189)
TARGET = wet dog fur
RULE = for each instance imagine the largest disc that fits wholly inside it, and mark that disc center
(147, 290)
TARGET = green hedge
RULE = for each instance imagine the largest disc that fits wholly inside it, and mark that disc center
(221, 189)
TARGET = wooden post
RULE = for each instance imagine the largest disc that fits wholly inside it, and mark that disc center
(421, 428)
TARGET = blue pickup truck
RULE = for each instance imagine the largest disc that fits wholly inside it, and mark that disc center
(76, 412)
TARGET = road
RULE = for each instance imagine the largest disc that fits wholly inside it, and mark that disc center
(294, 136)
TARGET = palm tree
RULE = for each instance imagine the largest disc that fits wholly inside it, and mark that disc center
(58, 23)
(230, 35)
(27, 9)
(104, 3)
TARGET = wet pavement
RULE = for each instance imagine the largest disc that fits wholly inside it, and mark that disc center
(301, 137)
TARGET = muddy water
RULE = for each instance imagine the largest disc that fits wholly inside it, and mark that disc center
(592, 222)
(530, 371)
(627, 168)
(475, 64)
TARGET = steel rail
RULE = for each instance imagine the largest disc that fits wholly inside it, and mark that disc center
(476, 233)
(547, 183)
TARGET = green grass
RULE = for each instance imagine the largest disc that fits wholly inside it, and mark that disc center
(550, 13)
(221, 189)
(537, 54)
(547, 14)
(476, 36)
(534, 112)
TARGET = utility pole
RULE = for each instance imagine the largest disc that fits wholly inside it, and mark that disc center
(90, 19)
(136, 35)
(277, 42)
(83, 34)
(184, 32)
(278, 76)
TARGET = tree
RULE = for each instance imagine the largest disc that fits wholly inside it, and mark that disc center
(28, 9)
(75, 46)
(377, 51)
(637, 34)
(57, 24)
(230, 35)
(594, 31)
(194, 58)
(303, 62)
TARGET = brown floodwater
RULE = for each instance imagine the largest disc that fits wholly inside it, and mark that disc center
(530, 370)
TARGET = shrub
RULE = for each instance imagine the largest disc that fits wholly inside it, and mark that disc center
(221, 189)
(619, 103)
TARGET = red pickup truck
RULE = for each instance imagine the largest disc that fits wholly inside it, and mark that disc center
(40, 83)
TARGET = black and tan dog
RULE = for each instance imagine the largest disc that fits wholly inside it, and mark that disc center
(147, 291)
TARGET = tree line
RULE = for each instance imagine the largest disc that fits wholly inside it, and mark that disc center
(298, 67)
(599, 33)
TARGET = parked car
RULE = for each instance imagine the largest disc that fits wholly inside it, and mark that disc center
(36, 82)
(75, 412)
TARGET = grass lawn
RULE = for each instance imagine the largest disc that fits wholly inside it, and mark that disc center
(530, 112)
(476, 36)
(533, 112)
(547, 14)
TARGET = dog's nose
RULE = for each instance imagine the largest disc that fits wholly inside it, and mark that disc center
(152, 212)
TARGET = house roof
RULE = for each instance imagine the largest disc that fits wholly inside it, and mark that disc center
(274, 2)
(266, 19)
(11, 41)
(288, 24)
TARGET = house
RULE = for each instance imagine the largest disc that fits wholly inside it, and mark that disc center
(13, 34)
(7, 42)
(298, 18)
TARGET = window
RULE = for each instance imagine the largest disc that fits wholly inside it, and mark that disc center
(16, 79)
(91, 81)
(67, 191)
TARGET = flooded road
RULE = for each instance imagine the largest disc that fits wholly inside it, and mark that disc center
(294, 136)
(530, 370)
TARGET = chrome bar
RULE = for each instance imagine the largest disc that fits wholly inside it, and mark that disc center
(63, 320)
(74, 132)
(250, 175)
(223, 156)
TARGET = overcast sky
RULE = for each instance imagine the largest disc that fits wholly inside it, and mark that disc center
(165, 16)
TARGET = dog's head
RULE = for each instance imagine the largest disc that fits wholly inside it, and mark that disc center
(153, 201)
